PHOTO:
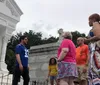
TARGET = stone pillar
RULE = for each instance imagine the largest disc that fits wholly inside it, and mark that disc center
(3, 66)
(0, 44)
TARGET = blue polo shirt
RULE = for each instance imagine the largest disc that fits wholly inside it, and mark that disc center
(23, 52)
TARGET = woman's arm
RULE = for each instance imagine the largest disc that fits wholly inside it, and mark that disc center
(63, 53)
(96, 32)
(95, 38)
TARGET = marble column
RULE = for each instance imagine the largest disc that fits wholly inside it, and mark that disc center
(0, 44)
(3, 66)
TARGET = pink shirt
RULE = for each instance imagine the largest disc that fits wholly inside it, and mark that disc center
(70, 56)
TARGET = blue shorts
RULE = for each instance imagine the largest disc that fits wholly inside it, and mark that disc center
(53, 77)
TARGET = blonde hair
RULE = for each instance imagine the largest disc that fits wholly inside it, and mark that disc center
(68, 35)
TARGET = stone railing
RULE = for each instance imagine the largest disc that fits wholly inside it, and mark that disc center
(5, 79)
(43, 48)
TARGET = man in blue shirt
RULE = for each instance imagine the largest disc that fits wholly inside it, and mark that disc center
(21, 68)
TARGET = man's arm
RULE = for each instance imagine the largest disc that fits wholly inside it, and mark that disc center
(87, 62)
(19, 62)
(18, 59)
(87, 54)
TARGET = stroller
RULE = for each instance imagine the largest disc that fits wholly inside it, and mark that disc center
(94, 64)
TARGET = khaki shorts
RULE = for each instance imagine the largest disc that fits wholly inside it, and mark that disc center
(81, 74)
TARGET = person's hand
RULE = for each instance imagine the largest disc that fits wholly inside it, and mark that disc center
(58, 60)
(86, 40)
(28, 67)
(21, 67)
(84, 70)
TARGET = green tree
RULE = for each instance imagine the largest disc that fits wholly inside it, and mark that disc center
(10, 60)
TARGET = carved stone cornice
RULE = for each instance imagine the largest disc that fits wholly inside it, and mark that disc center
(43, 53)
(9, 5)
(3, 22)
(44, 46)
(9, 18)
(11, 25)
(44, 49)
(6, 38)
(41, 50)
(2, 0)
(9, 31)
(16, 7)
(11, 9)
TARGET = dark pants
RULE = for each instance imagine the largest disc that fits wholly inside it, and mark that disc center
(24, 74)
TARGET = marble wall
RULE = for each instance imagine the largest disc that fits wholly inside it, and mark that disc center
(38, 60)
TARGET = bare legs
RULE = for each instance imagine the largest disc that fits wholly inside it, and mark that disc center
(66, 81)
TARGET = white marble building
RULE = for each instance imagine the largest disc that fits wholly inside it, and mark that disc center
(9, 16)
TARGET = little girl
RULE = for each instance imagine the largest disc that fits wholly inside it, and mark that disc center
(52, 70)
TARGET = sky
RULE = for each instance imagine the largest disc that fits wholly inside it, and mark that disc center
(47, 16)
